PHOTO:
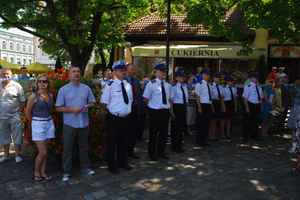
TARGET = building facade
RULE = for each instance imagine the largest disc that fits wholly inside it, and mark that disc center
(16, 49)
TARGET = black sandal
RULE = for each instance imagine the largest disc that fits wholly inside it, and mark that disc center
(47, 178)
(39, 178)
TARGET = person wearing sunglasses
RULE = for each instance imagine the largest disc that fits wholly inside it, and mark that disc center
(253, 100)
(38, 113)
(269, 101)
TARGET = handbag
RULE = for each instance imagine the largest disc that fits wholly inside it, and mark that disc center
(46, 105)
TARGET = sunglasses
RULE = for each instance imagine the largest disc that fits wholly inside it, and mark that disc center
(43, 81)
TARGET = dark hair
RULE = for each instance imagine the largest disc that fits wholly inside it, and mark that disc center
(297, 78)
(23, 68)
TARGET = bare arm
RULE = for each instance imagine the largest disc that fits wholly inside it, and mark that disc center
(67, 110)
(30, 102)
(146, 100)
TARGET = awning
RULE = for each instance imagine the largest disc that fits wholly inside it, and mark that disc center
(196, 51)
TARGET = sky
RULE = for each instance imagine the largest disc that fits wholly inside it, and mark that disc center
(16, 31)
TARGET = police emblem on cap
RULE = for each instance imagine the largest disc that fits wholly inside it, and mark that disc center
(253, 74)
(119, 64)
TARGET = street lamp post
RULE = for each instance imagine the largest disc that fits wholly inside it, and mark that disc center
(168, 38)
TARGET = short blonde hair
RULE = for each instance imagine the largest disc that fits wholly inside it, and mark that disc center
(39, 76)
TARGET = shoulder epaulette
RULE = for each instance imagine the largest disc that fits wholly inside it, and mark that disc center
(153, 81)
(224, 86)
(200, 82)
(110, 82)
(249, 85)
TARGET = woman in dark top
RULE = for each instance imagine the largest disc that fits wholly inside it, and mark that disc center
(39, 107)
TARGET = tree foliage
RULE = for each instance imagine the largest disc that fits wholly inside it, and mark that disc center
(73, 27)
(282, 18)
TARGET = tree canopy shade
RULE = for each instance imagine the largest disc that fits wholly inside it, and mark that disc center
(73, 27)
(282, 18)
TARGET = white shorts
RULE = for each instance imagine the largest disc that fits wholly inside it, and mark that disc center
(191, 115)
(42, 130)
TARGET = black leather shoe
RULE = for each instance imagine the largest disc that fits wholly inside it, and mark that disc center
(133, 155)
(178, 150)
(163, 156)
(127, 167)
(113, 171)
(154, 158)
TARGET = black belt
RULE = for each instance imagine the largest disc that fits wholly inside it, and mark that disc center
(255, 104)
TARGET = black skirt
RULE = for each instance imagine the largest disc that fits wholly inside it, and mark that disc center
(217, 107)
(229, 105)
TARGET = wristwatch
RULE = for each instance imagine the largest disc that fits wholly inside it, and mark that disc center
(20, 113)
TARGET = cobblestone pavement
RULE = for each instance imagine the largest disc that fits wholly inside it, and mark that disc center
(228, 169)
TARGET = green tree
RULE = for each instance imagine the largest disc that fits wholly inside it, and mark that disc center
(280, 17)
(58, 64)
(261, 68)
(73, 27)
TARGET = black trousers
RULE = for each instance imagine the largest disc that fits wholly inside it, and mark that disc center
(133, 129)
(141, 126)
(117, 135)
(203, 122)
(251, 121)
(177, 126)
(158, 129)
(282, 121)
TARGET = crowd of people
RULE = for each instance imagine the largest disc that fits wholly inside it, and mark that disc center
(127, 101)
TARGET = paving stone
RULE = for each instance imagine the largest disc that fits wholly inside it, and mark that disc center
(89, 197)
(60, 183)
(99, 194)
(19, 193)
(96, 184)
(39, 188)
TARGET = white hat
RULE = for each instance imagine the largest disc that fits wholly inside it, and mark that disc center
(281, 67)
(274, 67)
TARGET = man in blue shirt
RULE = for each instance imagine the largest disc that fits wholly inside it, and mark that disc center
(73, 100)
(198, 77)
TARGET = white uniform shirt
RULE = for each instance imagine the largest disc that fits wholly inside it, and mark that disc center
(153, 92)
(250, 93)
(178, 96)
(202, 92)
(227, 94)
(113, 97)
(214, 91)
(280, 74)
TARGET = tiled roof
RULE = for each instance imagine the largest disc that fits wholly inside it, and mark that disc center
(153, 25)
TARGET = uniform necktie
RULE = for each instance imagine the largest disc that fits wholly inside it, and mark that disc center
(219, 94)
(257, 92)
(184, 98)
(231, 93)
(125, 97)
(133, 91)
(209, 92)
(164, 98)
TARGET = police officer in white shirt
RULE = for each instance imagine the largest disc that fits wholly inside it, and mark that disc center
(229, 106)
(253, 100)
(216, 93)
(205, 108)
(178, 112)
(157, 95)
(117, 99)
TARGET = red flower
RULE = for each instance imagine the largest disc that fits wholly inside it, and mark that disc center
(56, 126)
(100, 147)
(62, 69)
(58, 69)
(94, 116)
(93, 139)
(101, 125)
(96, 150)
(104, 134)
